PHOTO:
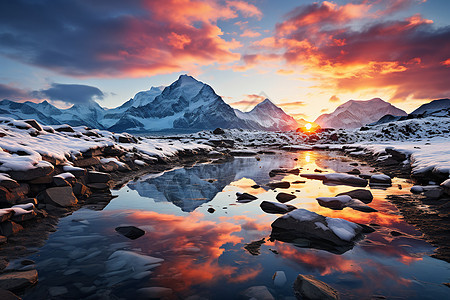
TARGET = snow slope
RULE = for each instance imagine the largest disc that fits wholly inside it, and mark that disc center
(356, 113)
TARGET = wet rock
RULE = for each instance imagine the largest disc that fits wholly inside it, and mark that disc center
(7, 295)
(274, 172)
(257, 293)
(397, 155)
(40, 170)
(255, 186)
(17, 281)
(22, 215)
(27, 200)
(9, 228)
(58, 196)
(279, 185)
(64, 128)
(340, 202)
(254, 247)
(360, 194)
(211, 210)
(433, 191)
(86, 162)
(59, 181)
(98, 177)
(6, 214)
(279, 278)
(130, 232)
(218, 131)
(395, 233)
(446, 186)
(9, 197)
(380, 179)
(307, 229)
(285, 197)
(81, 191)
(276, 208)
(98, 187)
(76, 171)
(416, 189)
(243, 152)
(298, 182)
(245, 196)
(308, 287)
(338, 178)
(27, 262)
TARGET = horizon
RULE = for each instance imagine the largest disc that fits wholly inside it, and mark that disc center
(310, 57)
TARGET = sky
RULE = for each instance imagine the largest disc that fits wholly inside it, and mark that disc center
(307, 56)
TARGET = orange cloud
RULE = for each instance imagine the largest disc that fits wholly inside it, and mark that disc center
(247, 9)
(334, 98)
(250, 33)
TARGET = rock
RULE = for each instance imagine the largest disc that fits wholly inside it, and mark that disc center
(58, 196)
(308, 229)
(245, 196)
(274, 172)
(7, 295)
(285, 197)
(257, 293)
(338, 178)
(6, 214)
(34, 124)
(211, 210)
(279, 278)
(23, 216)
(128, 139)
(397, 155)
(98, 187)
(27, 200)
(76, 171)
(308, 287)
(279, 185)
(86, 162)
(380, 179)
(254, 247)
(9, 197)
(155, 292)
(40, 170)
(130, 232)
(360, 194)
(7, 182)
(340, 202)
(59, 181)
(9, 228)
(395, 233)
(27, 262)
(17, 281)
(446, 186)
(98, 177)
(255, 186)
(64, 128)
(354, 172)
(218, 131)
(81, 191)
(433, 192)
(416, 189)
(276, 208)
(242, 152)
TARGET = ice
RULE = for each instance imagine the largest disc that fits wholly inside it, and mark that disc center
(344, 229)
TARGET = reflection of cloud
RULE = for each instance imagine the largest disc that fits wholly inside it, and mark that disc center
(191, 248)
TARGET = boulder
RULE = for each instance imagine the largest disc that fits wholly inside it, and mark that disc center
(98, 187)
(308, 287)
(9, 228)
(360, 194)
(58, 196)
(218, 131)
(276, 208)
(257, 293)
(34, 124)
(7, 182)
(308, 229)
(433, 192)
(7, 295)
(245, 196)
(446, 186)
(285, 197)
(81, 191)
(340, 202)
(41, 169)
(380, 179)
(86, 162)
(274, 172)
(98, 177)
(279, 185)
(397, 155)
(130, 232)
(76, 171)
(64, 128)
(338, 178)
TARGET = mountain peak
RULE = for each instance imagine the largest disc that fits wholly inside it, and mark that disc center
(186, 79)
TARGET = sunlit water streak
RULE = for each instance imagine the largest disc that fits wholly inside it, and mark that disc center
(204, 252)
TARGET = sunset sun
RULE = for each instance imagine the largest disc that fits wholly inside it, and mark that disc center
(308, 126)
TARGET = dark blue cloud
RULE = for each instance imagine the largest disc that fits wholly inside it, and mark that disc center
(12, 93)
(70, 93)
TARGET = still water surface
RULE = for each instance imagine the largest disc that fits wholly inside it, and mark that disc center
(204, 255)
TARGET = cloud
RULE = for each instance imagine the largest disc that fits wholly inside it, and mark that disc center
(69, 93)
(358, 46)
(12, 93)
(294, 104)
(118, 39)
(334, 98)
(250, 33)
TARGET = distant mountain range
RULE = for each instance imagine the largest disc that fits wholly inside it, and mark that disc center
(185, 104)
(357, 113)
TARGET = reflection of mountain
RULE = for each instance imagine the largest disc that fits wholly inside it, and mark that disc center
(190, 188)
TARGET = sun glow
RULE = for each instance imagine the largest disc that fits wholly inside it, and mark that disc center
(308, 126)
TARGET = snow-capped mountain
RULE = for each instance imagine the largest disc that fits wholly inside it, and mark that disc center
(356, 113)
(185, 104)
(437, 108)
(268, 115)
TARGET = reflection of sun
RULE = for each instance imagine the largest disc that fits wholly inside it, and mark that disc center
(308, 126)
(307, 158)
